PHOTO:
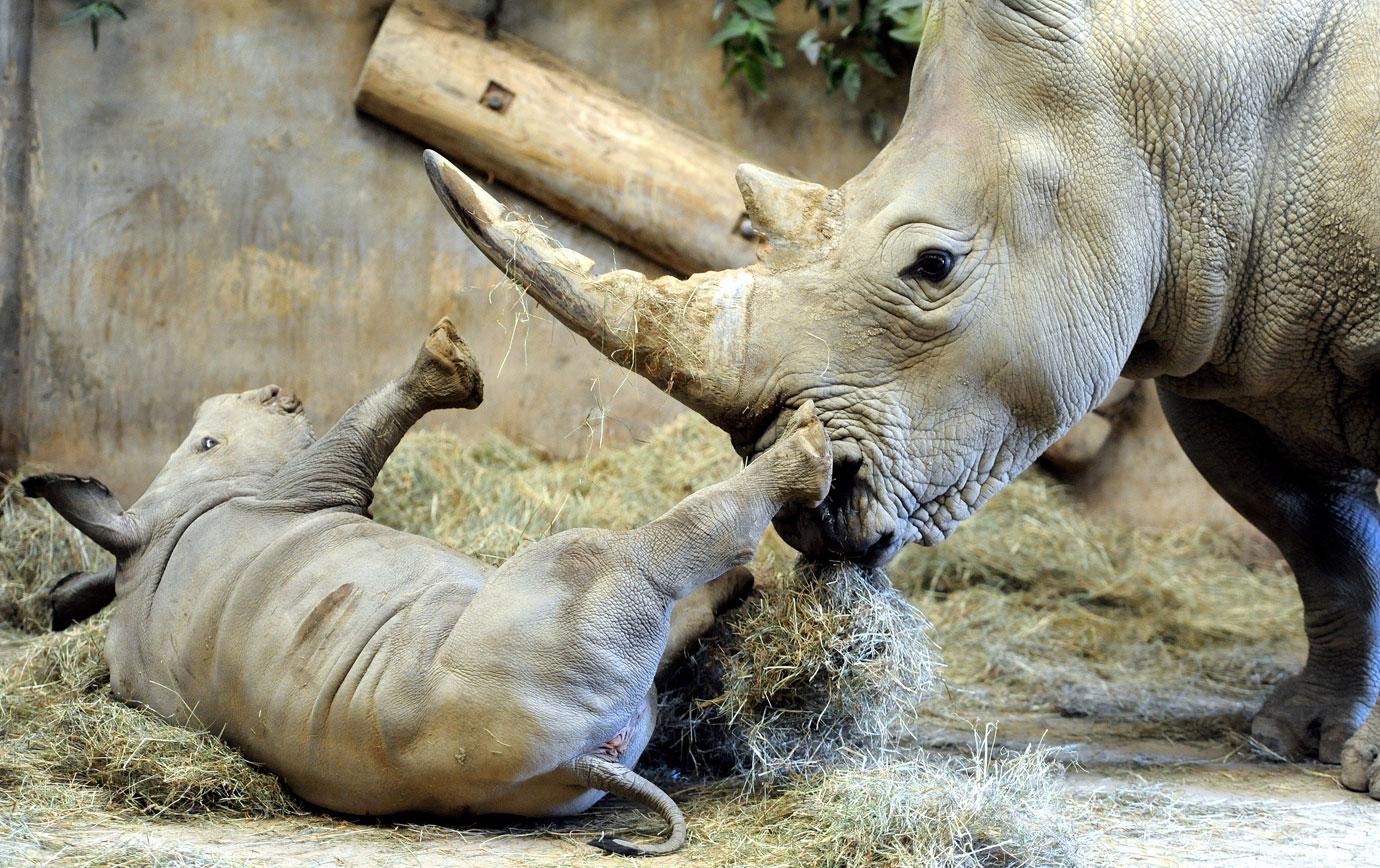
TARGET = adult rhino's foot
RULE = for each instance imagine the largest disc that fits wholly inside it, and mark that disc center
(1361, 758)
(801, 458)
(1307, 717)
(446, 373)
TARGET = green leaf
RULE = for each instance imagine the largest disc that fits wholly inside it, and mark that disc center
(876, 126)
(809, 45)
(911, 29)
(873, 58)
(760, 9)
(852, 81)
(94, 12)
(759, 35)
(755, 75)
(735, 26)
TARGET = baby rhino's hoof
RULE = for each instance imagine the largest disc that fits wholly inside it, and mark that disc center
(806, 461)
(446, 371)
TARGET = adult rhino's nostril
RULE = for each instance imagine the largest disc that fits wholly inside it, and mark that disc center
(270, 392)
(846, 471)
(876, 552)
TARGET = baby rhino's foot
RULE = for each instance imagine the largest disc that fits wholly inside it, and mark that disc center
(802, 458)
(445, 372)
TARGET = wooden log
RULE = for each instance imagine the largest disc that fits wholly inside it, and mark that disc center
(509, 109)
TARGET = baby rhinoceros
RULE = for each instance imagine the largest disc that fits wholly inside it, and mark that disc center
(380, 672)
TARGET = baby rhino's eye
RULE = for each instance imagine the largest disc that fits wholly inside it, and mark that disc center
(207, 444)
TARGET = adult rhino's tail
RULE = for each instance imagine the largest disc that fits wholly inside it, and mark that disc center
(617, 779)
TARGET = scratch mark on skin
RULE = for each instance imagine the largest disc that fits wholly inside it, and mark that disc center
(328, 605)
(496, 738)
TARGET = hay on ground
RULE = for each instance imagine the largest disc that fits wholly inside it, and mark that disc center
(1037, 601)
(60, 727)
(987, 808)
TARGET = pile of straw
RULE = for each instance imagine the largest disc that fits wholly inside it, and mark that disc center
(826, 664)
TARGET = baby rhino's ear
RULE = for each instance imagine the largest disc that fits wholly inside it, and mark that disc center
(90, 507)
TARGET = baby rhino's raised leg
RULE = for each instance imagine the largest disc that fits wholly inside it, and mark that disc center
(719, 527)
(339, 469)
(695, 613)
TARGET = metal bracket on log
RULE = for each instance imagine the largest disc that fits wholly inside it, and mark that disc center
(509, 109)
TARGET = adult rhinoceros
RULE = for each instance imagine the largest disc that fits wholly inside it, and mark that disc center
(1182, 190)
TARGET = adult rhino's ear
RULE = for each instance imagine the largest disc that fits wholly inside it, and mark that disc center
(78, 596)
(90, 507)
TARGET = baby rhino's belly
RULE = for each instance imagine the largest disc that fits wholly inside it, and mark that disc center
(318, 658)
(322, 653)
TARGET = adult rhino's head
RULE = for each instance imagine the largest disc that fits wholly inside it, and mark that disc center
(951, 310)
(237, 442)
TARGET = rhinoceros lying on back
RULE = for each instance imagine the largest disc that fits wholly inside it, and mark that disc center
(377, 671)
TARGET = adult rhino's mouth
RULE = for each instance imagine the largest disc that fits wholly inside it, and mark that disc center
(874, 508)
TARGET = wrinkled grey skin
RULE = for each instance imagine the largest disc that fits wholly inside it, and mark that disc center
(1185, 191)
(377, 671)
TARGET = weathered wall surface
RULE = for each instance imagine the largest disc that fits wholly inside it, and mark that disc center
(212, 215)
(208, 213)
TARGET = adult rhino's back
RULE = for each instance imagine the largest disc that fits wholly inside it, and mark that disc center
(308, 639)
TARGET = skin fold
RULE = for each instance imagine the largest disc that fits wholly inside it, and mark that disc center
(1179, 190)
(379, 672)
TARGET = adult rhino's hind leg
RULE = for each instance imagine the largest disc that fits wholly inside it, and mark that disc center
(1327, 524)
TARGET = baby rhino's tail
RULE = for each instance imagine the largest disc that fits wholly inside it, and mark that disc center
(617, 779)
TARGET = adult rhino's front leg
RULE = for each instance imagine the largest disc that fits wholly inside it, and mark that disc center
(1327, 524)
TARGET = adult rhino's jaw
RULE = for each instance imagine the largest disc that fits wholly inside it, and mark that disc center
(687, 336)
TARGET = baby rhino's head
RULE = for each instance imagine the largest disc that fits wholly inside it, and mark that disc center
(237, 443)
(237, 437)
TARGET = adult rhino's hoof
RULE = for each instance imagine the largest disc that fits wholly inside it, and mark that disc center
(446, 371)
(1361, 759)
(1302, 720)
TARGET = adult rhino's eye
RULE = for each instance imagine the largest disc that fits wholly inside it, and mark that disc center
(931, 265)
(207, 444)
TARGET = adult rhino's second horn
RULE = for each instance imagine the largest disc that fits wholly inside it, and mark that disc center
(687, 336)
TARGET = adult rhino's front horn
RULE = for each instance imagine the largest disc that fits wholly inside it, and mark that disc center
(690, 337)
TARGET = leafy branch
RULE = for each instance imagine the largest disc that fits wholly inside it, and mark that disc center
(852, 36)
(94, 12)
